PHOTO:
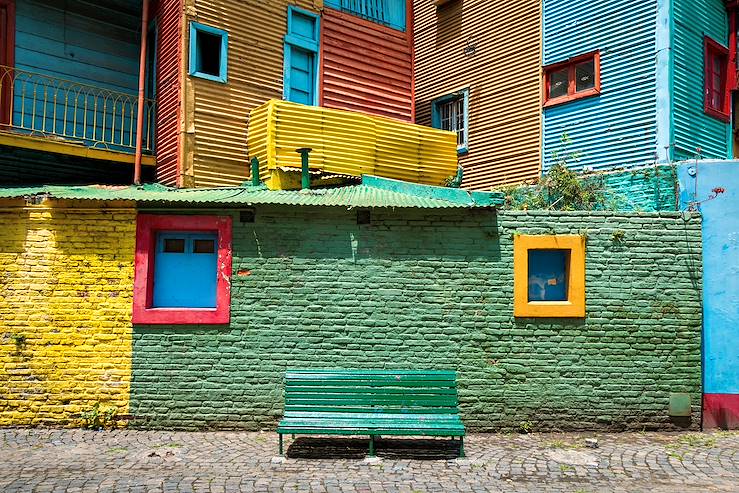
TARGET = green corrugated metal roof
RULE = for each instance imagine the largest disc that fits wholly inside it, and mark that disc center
(373, 192)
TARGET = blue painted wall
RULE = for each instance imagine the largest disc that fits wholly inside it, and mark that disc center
(694, 19)
(720, 269)
(95, 43)
(617, 128)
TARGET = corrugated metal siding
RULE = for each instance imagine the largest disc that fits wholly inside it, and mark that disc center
(618, 127)
(692, 127)
(366, 66)
(169, 91)
(255, 57)
(503, 75)
(350, 143)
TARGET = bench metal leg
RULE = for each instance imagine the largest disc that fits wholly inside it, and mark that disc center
(461, 447)
(280, 435)
(372, 446)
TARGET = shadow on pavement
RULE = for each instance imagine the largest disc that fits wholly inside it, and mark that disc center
(356, 448)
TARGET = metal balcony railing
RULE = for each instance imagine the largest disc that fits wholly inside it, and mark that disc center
(41, 105)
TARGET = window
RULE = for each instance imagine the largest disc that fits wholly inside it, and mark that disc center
(574, 79)
(388, 12)
(717, 98)
(549, 276)
(451, 112)
(183, 270)
(208, 52)
(301, 57)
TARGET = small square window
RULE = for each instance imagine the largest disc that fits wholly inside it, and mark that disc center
(208, 52)
(183, 270)
(717, 97)
(451, 112)
(549, 276)
(574, 79)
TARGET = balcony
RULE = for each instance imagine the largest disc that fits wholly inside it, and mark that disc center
(346, 144)
(65, 117)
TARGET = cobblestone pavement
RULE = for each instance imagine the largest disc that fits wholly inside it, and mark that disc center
(138, 461)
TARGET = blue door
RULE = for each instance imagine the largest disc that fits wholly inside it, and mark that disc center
(302, 78)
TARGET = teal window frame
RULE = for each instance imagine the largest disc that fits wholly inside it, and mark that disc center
(298, 41)
(396, 18)
(464, 95)
(195, 29)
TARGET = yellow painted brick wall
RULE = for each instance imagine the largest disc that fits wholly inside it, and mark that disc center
(66, 288)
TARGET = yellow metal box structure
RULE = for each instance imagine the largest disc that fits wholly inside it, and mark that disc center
(347, 143)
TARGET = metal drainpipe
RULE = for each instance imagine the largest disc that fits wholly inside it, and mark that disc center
(142, 84)
(304, 151)
(255, 171)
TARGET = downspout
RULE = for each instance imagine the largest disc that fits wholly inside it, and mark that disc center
(142, 84)
(305, 175)
(663, 89)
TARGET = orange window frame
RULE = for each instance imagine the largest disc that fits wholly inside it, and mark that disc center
(572, 93)
(712, 51)
(574, 306)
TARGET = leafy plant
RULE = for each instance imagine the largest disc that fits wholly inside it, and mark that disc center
(618, 236)
(525, 426)
(96, 418)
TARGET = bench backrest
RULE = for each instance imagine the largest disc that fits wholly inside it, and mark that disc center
(371, 391)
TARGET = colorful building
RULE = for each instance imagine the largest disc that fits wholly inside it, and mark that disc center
(627, 84)
(478, 73)
(382, 274)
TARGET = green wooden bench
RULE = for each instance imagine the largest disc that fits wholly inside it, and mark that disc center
(373, 403)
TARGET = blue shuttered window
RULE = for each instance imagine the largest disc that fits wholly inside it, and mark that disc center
(185, 266)
(389, 12)
(301, 57)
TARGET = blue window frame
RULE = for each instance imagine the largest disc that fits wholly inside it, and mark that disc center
(388, 12)
(451, 112)
(208, 52)
(301, 57)
(185, 266)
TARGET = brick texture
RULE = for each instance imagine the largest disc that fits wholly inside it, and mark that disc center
(424, 289)
(65, 313)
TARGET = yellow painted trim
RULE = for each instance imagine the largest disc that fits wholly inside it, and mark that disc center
(46, 145)
(575, 306)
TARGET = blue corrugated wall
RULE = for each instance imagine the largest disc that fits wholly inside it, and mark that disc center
(618, 127)
(83, 42)
(694, 19)
(90, 42)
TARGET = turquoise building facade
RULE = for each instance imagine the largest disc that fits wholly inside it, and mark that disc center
(649, 100)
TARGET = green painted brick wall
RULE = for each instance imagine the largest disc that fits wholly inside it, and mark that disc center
(649, 189)
(425, 289)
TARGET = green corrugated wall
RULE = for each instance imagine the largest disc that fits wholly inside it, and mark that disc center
(692, 128)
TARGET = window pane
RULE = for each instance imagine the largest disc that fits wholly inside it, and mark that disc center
(203, 246)
(174, 245)
(558, 82)
(451, 117)
(209, 53)
(548, 275)
(585, 76)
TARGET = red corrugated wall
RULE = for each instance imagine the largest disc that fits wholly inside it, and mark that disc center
(169, 59)
(366, 66)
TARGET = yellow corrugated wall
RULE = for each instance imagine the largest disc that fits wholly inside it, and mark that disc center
(493, 47)
(221, 111)
(350, 143)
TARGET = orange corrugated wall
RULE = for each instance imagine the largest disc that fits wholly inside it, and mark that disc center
(169, 59)
(366, 66)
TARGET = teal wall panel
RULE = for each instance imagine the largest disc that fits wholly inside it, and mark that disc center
(87, 42)
(618, 127)
(694, 19)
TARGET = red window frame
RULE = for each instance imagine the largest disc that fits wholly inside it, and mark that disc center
(147, 227)
(7, 57)
(712, 51)
(572, 93)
